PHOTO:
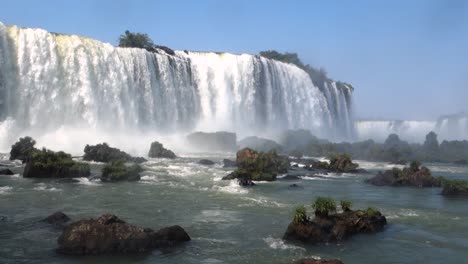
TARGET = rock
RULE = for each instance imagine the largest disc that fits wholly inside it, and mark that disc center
(293, 185)
(206, 162)
(291, 177)
(167, 50)
(259, 144)
(49, 164)
(461, 162)
(454, 187)
(56, 219)
(6, 172)
(110, 235)
(118, 171)
(342, 163)
(227, 163)
(415, 176)
(22, 149)
(258, 166)
(245, 182)
(317, 261)
(104, 153)
(218, 141)
(336, 227)
(157, 150)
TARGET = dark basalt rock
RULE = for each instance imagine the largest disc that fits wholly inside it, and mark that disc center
(258, 166)
(340, 163)
(245, 182)
(291, 177)
(110, 235)
(218, 141)
(157, 150)
(415, 176)
(206, 162)
(22, 149)
(56, 219)
(454, 187)
(49, 164)
(227, 163)
(337, 227)
(167, 50)
(119, 171)
(6, 172)
(104, 153)
(294, 186)
(317, 261)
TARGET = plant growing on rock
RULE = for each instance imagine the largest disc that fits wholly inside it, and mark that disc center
(454, 187)
(22, 149)
(346, 205)
(323, 206)
(118, 171)
(49, 164)
(300, 214)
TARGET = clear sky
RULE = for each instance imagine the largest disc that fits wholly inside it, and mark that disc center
(408, 59)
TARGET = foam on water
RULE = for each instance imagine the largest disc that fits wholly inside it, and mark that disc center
(233, 187)
(87, 181)
(277, 243)
(5, 189)
(45, 187)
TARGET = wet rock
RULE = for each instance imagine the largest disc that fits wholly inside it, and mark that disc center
(258, 166)
(454, 187)
(6, 172)
(340, 163)
(57, 219)
(227, 163)
(167, 50)
(336, 227)
(49, 164)
(218, 141)
(104, 153)
(206, 162)
(293, 186)
(245, 182)
(110, 235)
(119, 171)
(291, 177)
(317, 261)
(415, 176)
(157, 150)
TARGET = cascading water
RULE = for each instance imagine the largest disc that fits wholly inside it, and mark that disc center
(51, 82)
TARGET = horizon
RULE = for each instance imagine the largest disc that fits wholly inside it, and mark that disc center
(419, 58)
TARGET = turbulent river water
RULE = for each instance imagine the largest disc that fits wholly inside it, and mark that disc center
(230, 224)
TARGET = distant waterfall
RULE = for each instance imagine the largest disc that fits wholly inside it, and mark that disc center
(49, 80)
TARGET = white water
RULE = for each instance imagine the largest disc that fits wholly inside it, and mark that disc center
(53, 84)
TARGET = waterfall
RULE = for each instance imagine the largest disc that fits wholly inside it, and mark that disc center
(52, 81)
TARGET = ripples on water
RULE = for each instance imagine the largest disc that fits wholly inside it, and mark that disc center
(231, 224)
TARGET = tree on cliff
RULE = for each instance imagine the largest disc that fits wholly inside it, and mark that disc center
(135, 40)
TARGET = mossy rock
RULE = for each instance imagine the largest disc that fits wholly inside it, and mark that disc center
(49, 164)
(104, 153)
(119, 171)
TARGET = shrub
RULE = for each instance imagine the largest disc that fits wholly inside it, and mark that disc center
(46, 163)
(300, 214)
(22, 149)
(346, 205)
(372, 212)
(118, 171)
(454, 187)
(414, 165)
(323, 206)
(135, 40)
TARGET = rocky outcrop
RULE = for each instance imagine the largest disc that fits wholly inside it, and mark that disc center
(227, 163)
(415, 176)
(454, 187)
(340, 163)
(206, 162)
(104, 153)
(49, 164)
(157, 150)
(336, 227)
(110, 235)
(57, 219)
(317, 261)
(6, 172)
(22, 149)
(218, 141)
(119, 171)
(258, 166)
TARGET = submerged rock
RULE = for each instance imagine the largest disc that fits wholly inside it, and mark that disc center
(157, 150)
(22, 149)
(258, 166)
(227, 163)
(218, 141)
(57, 219)
(104, 153)
(336, 227)
(206, 162)
(414, 175)
(49, 164)
(118, 171)
(317, 261)
(110, 235)
(6, 172)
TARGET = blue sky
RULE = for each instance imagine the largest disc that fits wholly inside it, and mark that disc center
(407, 59)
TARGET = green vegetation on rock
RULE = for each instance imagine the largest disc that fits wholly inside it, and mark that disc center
(454, 187)
(49, 164)
(300, 214)
(22, 149)
(323, 206)
(135, 40)
(119, 171)
(346, 205)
